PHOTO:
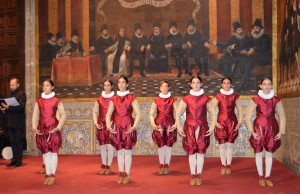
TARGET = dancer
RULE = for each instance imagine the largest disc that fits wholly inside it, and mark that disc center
(47, 128)
(123, 127)
(196, 133)
(227, 125)
(266, 133)
(164, 128)
(103, 135)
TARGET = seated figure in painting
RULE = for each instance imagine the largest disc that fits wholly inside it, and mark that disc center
(198, 47)
(101, 47)
(176, 42)
(74, 47)
(237, 51)
(158, 56)
(261, 44)
(60, 46)
(48, 51)
(138, 46)
(116, 60)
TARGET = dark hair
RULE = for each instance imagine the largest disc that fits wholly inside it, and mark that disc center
(50, 81)
(265, 78)
(125, 78)
(196, 76)
(17, 80)
(225, 79)
(164, 81)
(110, 81)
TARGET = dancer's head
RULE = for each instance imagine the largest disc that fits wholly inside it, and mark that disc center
(123, 83)
(108, 85)
(48, 86)
(226, 83)
(266, 85)
(196, 83)
(164, 87)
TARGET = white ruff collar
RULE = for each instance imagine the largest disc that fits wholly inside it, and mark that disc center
(105, 37)
(52, 43)
(61, 44)
(227, 92)
(75, 41)
(48, 96)
(193, 32)
(266, 96)
(168, 95)
(174, 33)
(256, 36)
(139, 36)
(192, 92)
(107, 95)
(122, 93)
(156, 34)
(240, 37)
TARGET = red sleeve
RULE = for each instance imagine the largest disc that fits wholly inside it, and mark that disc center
(277, 100)
(174, 99)
(155, 100)
(218, 97)
(236, 96)
(184, 99)
(255, 99)
(132, 98)
(208, 99)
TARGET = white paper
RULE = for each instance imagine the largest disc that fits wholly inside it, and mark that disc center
(11, 101)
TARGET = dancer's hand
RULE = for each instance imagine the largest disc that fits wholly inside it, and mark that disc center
(255, 136)
(37, 132)
(208, 133)
(278, 136)
(54, 130)
(172, 128)
(98, 126)
(206, 44)
(131, 129)
(157, 128)
(218, 125)
(181, 132)
(237, 126)
(111, 130)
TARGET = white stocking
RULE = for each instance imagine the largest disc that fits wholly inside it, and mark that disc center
(110, 154)
(229, 153)
(269, 160)
(48, 163)
(121, 160)
(200, 163)
(128, 160)
(161, 155)
(259, 166)
(54, 161)
(223, 151)
(168, 155)
(103, 154)
(192, 162)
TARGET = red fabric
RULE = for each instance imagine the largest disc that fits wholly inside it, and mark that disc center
(226, 118)
(122, 121)
(103, 135)
(196, 113)
(265, 125)
(165, 118)
(76, 71)
(47, 122)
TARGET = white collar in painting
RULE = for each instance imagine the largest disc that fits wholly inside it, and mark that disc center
(122, 93)
(192, 92)
(107, 95)
(48, 96)
(266, 96)
(227, 92)
(168, 95)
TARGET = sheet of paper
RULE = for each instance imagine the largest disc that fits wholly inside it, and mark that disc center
(11, 101)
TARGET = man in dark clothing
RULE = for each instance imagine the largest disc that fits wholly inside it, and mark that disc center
(60, 44)
(261, 44)
(1, 129)
(101, 46)
(16, 121)
(158, 56)
(75, 46)
(48, 51)
(238, 50)
(138, 46)
(198, 47)
(176, 42)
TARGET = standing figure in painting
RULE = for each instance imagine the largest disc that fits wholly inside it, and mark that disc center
(103, 134)
(164, 128)
(196, 133)
(48, 51)
(227, 125)
(123, 127)
(158, 56)
(176, 42)
(60, 45)
(238, 50)
(47, 128)
(198, 48)
(116, 60)
(74, 47)
(101, 47)
(138, 46)
(266, 133)
(261, 44)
